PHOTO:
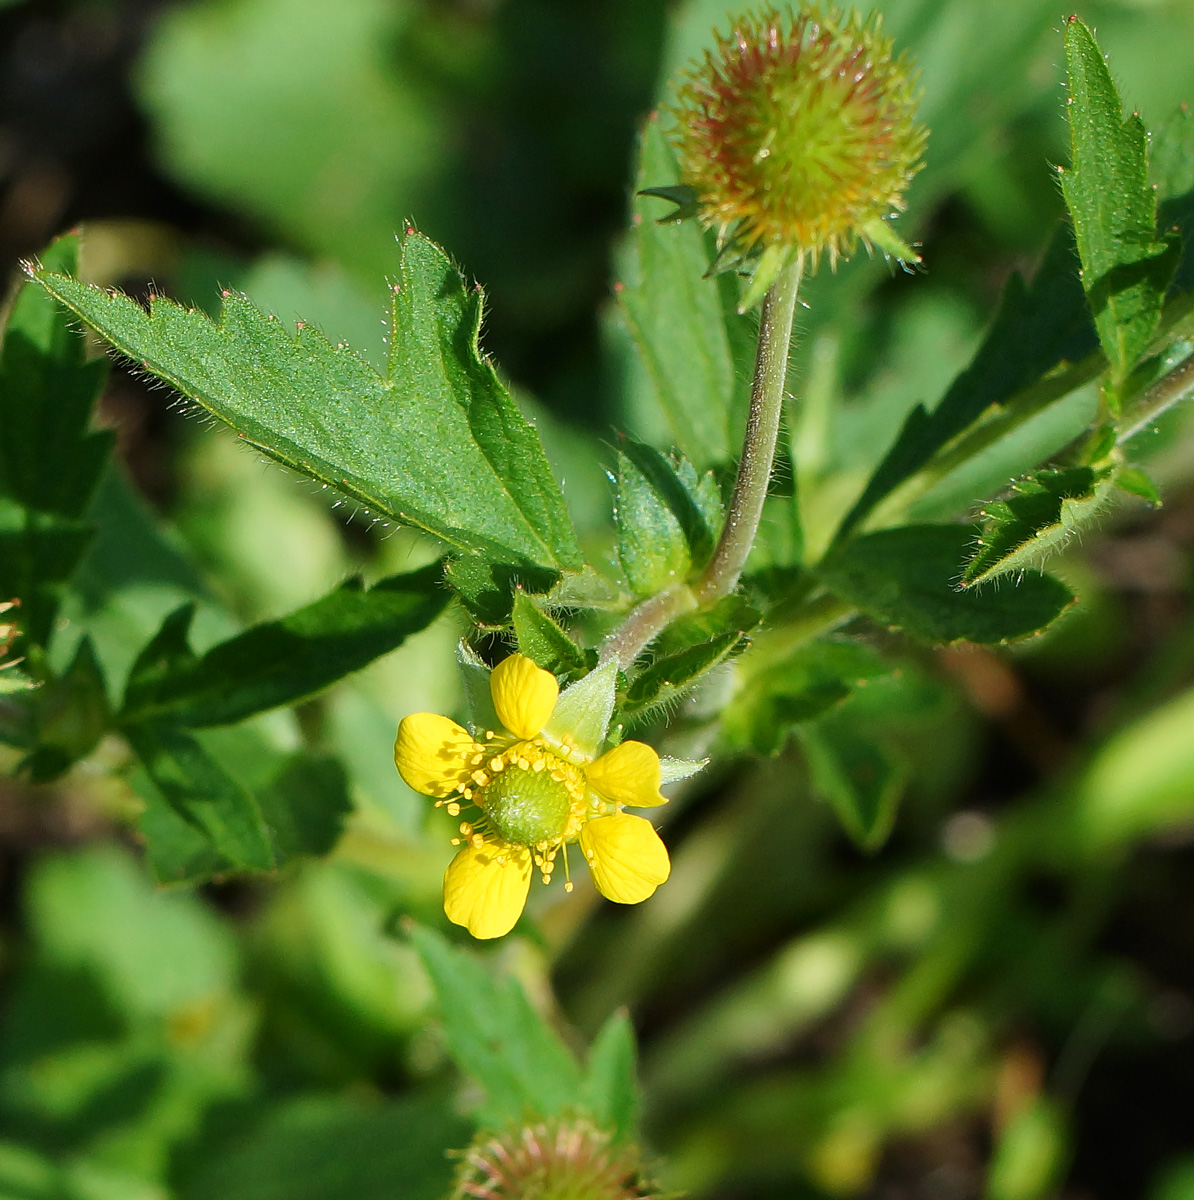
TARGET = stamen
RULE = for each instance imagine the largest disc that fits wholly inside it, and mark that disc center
(453, 809)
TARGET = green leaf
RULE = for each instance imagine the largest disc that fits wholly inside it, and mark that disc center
(437, 443)
(303, 801)
(732, 614)
(204, 794)
(667, 679)
(652, 547)
(908, 578)
(496, 1037)
(1043, 512)
(279, 662)
(331, 1147)
(1125, 269)
(50, 461)
(543, 641)
(610, 1090)
(674, 314)
(71, 714)
(692, 498)
(1036, 328)
(860, 778)
(487, 588)
(773, 701)
(1171, 167)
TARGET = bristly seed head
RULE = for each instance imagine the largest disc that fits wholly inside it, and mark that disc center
(558, 1159)
(799, 136)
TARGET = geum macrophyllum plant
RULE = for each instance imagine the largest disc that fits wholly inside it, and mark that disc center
(538, 782)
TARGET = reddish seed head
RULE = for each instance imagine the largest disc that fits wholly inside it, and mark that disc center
(800, 131)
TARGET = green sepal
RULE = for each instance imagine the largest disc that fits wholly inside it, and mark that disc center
(583, 711)
(879, 233)
(546, 644)
(772, 262)
(1136, 482)
(685, 197)
(478, 699)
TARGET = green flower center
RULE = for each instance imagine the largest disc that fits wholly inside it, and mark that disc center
(527, 807)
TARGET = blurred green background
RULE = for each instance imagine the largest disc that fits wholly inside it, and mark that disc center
(999, 1003)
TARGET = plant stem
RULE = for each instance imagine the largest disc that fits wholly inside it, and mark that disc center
(645, 620)
(720, 577)
(1169, 390)
(758, 449)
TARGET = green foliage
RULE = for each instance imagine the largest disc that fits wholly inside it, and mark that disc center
(326, 1147)
(909, 578)
(524, 1069)
(278, 662)
(674, 314)
(1126, 270)
(1038, 518)
(467, 466)
(50, 462)
(1035, 329)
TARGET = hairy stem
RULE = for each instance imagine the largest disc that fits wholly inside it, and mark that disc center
(1169, 390)
(720, 577)
(758, 449)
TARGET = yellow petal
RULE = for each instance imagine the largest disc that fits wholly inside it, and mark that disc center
(626, 857)
(485, 889)
(433, 754)
(627, 774)
(523, 695)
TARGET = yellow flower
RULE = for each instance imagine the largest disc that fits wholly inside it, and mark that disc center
(537, 783)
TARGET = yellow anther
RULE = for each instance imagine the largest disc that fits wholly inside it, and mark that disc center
(489, 735)
(539, 765)
(568, 886)
(496, 763)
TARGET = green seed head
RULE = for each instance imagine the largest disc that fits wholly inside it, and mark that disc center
(799, 134)
(527, 807)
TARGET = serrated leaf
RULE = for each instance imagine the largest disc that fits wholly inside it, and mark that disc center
(674, 314)
(205, 795)
(50, 459)
(771, 702)
(543, 641)
(908, 578)
(860, 778)
(610, 1090)
(437, 443)
(1126, 269)
(666, 679)
(1042, 513)
(652, 547)
(496, 1037)
(279, 662)
(692, 497)
(1036, 328)
(732, 614)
